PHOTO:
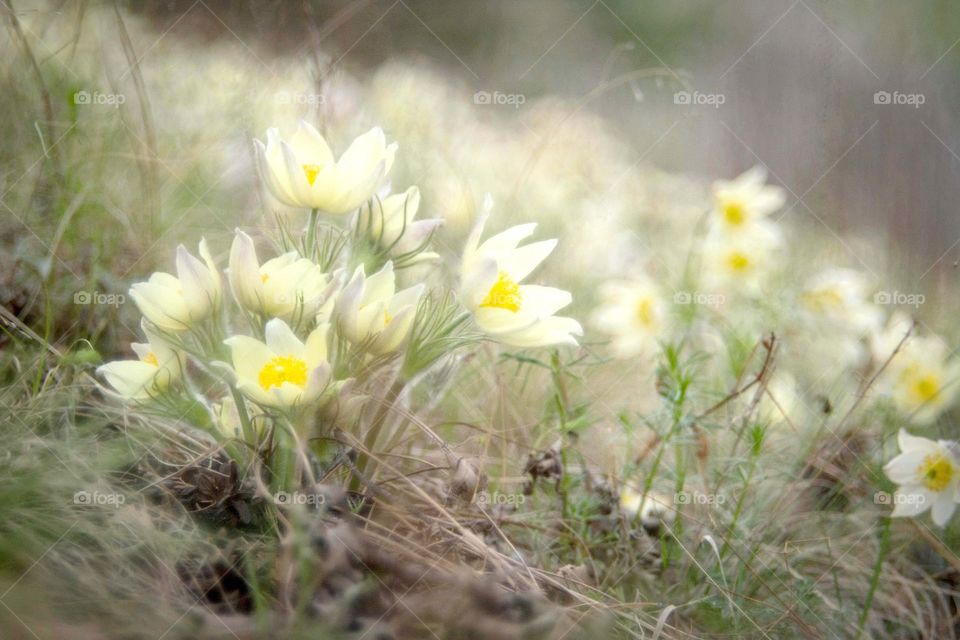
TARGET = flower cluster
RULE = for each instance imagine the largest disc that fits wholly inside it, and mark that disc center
(328, 311)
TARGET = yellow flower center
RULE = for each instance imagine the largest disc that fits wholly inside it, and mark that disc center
(927, 387)
(823, 300)
(645, 312)
(936, 472)
(386, 317)
(311, 171)
(151, 358)
(504, 294)
(264, 277)
(283, 369)
(734, 213)
(738, 261)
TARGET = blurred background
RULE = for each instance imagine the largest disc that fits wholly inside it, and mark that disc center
(796, 80)
(127, 126)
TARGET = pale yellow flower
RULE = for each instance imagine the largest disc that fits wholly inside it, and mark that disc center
(281, 372)
(392, 225)
(301, 171)
(157, 367)
(840, 298)
(922, 379)
(746, 199)
(288, 286)
(653, 510)
(514, 314)
(740, 261)
(370, 310)
(177, 303)
(633, 313)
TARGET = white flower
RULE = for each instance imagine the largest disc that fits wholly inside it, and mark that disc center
(740, 261)
(158, 367)
(370, 310)
(745, 199)
(928, 473)
(392, 226)
(840, 298)
(177, 303)
(302, 172)
(922, 379)
(288, 286)
(514, 314)
(655, 509)
(282, 372)
(633, 313)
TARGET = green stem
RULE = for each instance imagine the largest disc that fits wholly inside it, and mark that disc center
(284, 462)
(249, 433)
(311, 243)
(376, 426)
(875, 580)
(739, 508)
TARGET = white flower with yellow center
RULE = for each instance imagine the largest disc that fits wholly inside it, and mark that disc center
(392, 226)
(922, 379)
(301, 171)
(288, 286)
(370, 311)
(514, 314)
(840, 297)
(740, 261)
(282, 372)
(175, 303)
(746, 199)
(633, 313)
(924, 383)
(928, 473)
(157, 368)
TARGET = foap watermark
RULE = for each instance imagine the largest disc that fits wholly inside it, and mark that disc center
(499, 99)
(695, 497)
(300, 98)
(910, 99)
(884, 498)
(899, 298)
(288, 499)
(97, 498)
(699, 297)
(696, 98)
(99, 99)
(487, 498)
(99, 298)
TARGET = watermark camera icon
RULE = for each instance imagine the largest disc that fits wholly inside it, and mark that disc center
(485, 498)
(482, 97)
(84, 97)
(286, 499)
(910, 99)
(87, 498)
(884, 498)
(696, 98)
(695, 497)
(899, 298)
(98, 297)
